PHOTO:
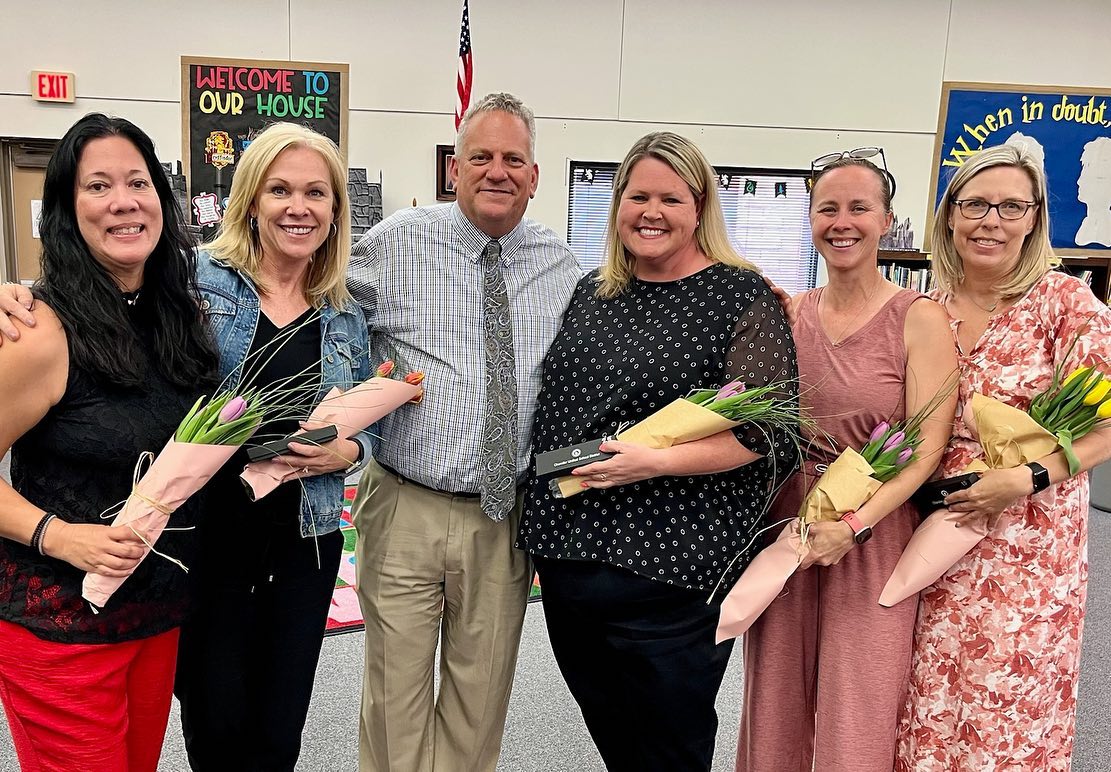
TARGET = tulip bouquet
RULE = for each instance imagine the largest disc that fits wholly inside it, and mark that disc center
(206, 438)
(1067, 410)
(845, 485)
(350, 412)
(700, 414)
(1072, 407)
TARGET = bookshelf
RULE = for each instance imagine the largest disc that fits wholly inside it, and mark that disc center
(911, 268)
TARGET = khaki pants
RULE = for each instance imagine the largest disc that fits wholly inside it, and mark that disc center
(432, 566)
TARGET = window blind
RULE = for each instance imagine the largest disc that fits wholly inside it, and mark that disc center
(765, 211)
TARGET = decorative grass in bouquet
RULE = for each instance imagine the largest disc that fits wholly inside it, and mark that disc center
(845, 486)
(350, 411)
(1067, 410)
(207, 437)
(700, 414)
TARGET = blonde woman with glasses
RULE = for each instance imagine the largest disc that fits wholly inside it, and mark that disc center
(997, 643)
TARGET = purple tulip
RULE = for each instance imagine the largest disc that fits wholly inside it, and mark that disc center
(879, 431)
(894, 440)
(730, 390)
(905, 456)
(235, 408)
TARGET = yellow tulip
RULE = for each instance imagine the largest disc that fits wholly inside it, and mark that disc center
(1097, 393)
(1074, 375)
(1104, 410)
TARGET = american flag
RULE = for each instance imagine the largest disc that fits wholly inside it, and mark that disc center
(463, 81)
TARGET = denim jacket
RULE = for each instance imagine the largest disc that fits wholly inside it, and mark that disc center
(231, 304)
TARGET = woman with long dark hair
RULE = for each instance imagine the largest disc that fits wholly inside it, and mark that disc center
(118, 355)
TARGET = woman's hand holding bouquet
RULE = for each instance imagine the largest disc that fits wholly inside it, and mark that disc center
(206, 438)
(1010, 438)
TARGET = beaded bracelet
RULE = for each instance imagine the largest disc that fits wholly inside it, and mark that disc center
(40, 532)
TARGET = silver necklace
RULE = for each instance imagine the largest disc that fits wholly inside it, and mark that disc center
(841, 336)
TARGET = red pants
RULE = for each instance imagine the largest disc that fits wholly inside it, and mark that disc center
(100, 707)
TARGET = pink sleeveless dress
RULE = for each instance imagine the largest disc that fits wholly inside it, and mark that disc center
(826, 667)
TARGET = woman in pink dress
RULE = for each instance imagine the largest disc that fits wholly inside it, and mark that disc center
(997, 643)
(826, 666)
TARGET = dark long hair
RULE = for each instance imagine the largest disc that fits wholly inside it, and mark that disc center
(105, 339)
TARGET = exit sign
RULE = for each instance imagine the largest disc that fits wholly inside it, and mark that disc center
(53, 86)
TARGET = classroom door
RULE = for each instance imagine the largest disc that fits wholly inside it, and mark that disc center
(24, 164)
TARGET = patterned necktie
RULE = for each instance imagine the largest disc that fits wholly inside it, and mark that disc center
(498, 484)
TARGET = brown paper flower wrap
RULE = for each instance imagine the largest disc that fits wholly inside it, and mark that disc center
(350, 411)
(1009, 438)
(844, 486)
(676, 423)
(179, 471)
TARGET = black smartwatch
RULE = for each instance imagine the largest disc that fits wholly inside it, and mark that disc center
(1041, 476)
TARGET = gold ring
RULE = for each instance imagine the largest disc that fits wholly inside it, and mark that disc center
(602, 477)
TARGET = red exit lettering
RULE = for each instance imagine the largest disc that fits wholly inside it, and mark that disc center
(52, 86)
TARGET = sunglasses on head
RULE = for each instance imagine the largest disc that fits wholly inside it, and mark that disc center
(857, 154)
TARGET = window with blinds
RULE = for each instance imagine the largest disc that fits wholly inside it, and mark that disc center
(766, 214)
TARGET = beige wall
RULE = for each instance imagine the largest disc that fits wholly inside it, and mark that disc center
(755, 83)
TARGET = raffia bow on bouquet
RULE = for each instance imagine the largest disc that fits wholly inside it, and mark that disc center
(207, 437)
(702, 413)
(1066, 411)
(350, 411)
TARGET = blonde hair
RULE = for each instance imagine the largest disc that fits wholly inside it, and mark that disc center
(238, 244)
(686, 160)
(1036, 256)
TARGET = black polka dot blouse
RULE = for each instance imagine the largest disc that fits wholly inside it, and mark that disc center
(619, 360)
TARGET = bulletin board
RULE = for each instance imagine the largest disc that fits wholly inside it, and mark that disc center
(1069, 127)
(225, 103)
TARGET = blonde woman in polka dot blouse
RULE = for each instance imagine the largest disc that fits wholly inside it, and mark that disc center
(628, 566)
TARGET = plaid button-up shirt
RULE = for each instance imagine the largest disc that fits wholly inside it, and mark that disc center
(418, 277)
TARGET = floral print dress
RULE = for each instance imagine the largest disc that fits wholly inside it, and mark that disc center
(997, 644)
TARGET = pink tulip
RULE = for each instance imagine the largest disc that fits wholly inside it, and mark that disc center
(905, 456)
(894, 440)
(730, 389)
(879, 431)
(235, 408)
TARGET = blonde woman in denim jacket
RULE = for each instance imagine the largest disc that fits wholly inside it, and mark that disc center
(272, 284)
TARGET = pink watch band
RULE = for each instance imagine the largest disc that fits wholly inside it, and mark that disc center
(853, 521)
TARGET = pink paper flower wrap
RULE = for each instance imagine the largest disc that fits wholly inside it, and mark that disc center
(760, 584)
(935, 547)
(179, 471)
(351, 411)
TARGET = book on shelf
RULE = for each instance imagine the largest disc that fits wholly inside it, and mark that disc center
(918, 279)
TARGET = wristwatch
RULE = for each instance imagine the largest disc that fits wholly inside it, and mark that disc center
(1041, 476)
(861, 532)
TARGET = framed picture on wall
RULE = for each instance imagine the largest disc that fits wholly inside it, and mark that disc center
(445, 191)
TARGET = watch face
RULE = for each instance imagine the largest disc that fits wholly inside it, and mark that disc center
(1040, 476)
(863, 536)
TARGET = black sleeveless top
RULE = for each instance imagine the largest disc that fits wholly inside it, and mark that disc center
(76, 463)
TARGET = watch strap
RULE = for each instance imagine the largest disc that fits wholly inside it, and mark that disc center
(853, 521)
(1040, 476)
(861, 532)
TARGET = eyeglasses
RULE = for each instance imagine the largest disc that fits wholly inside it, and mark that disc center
(858, 154)
(978, 208)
